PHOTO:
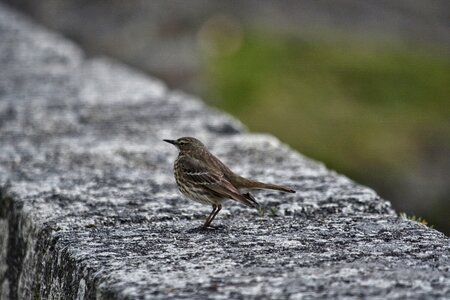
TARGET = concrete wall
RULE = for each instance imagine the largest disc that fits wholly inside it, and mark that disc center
(89, 207)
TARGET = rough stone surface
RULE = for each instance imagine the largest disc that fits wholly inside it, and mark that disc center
(89, 208)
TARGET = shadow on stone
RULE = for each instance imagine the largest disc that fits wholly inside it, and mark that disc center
(209, 229)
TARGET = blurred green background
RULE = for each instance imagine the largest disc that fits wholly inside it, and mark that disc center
(363, 86)
(379, 114)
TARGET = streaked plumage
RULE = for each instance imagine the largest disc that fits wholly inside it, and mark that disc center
(202, 177)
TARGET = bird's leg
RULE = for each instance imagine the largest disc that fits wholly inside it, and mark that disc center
(219, 207)
(210, 217)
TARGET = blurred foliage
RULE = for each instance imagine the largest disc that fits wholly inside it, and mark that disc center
(366, 110)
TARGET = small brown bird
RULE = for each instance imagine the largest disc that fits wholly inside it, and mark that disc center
(202, 177)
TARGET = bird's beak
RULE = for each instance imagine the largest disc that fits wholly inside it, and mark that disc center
(173, 142)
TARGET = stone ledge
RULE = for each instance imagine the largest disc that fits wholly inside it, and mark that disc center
(89, 208)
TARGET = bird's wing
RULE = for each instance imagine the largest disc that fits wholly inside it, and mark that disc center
(214, 180)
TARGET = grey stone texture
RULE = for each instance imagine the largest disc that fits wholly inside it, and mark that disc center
(89, 207)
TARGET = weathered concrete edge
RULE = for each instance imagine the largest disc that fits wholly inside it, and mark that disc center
(18, 251)
(73, 276)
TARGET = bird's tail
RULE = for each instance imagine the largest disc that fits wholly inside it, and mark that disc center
(253, 184)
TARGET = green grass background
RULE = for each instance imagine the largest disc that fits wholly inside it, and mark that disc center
(375, 113)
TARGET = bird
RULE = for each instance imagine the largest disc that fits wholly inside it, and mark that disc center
(202, 177)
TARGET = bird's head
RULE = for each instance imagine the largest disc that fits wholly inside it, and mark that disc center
(186, 144)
